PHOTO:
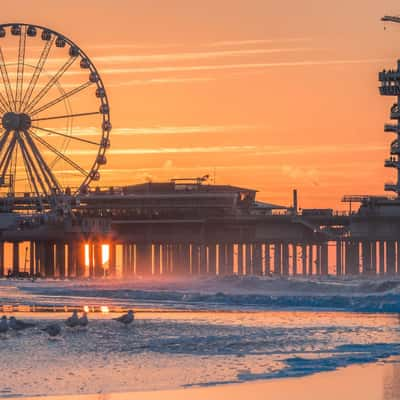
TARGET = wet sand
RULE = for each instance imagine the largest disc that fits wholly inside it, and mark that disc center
(379, 381)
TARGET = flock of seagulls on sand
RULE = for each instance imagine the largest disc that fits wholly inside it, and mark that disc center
(54, 329)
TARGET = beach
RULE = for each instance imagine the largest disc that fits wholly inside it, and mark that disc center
(377, 381)
(224, 342)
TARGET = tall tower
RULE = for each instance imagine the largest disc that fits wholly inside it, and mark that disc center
(390, 86)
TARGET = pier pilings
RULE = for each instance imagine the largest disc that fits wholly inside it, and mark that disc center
(104, 257)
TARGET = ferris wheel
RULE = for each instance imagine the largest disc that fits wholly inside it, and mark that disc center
(54, 112)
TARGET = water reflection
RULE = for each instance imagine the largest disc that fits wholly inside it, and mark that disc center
(391, 383)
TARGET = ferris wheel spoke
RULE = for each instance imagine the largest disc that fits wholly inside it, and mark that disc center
(3, 104)
(3, 139)
(38, 70)
(6, 82)
(50, 83)
(63, 134)
(8, 149)
(20, 69)
(67, 116)
(61, 98)
(47, 174)
(5, 162)
(59, 154)
(30, 168)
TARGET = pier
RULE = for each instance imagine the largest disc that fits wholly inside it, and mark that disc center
(184, 227)
(200, 229)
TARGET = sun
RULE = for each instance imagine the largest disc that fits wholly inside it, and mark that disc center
(105, 254)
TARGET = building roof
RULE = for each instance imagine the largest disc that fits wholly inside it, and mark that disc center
(168, 187)
(260, 205)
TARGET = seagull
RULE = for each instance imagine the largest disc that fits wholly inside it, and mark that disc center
(18, 325)
(53, 330)
(73, 320)
(126, 319)
(83, 321)
(3, 324)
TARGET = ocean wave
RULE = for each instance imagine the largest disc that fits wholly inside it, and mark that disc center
(239, 293)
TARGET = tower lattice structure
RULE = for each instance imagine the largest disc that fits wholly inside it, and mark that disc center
(390, 86)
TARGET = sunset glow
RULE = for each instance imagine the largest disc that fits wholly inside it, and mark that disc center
(200, 199)
(274, 102)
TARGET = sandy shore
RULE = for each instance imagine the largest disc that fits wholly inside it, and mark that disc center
(380, 381)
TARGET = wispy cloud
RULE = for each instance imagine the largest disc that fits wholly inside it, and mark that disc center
(253, 149)
(156, 130)
(166, 150)
(179, 56)
(220, 43)
(188, 56)
(179, 130)
(216, 67)
(257, 41)
(161, 81)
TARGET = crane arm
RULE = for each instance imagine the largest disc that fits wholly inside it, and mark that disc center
(388, 18)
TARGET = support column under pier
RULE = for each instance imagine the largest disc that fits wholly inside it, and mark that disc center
(38, 267)
(72, 254)
(257, 259)
(240, 265)
(285, 259)
(195, 259)
(98, 269)
(267, 259)
(229, 259)
(366, 257)
(175, 259)
(390, 257)
(2, 269)
(278, 258)
(318, 260)
(127, 264)
(310, 259)
(48, 259)
(339, 256)
(81, 260)
(202, 253)
(143, 259)
(249, 263)
(324, 259)
(304, 259)
(31, 258)
(373, 258)
(382, 258)
(91, 259)
(181, 259)
(60, 259)
(156, 259)
(112, 259)
(352, 258)
(221, 259)
(164, 258)
(294, 259)
(212, 259)
(15, 264)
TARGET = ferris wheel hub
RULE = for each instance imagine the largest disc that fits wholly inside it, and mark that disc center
(16, 121)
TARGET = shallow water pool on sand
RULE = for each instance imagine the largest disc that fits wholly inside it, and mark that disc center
(167, 350)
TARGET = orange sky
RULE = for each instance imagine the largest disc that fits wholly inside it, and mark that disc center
(270, 95)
